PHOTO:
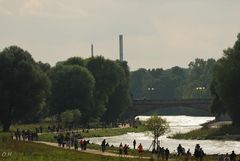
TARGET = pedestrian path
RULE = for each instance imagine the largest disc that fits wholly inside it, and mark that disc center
(93, 151)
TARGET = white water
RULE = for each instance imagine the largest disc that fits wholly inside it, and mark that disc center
(177, 124)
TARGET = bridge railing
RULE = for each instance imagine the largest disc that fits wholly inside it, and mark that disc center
(175, 101)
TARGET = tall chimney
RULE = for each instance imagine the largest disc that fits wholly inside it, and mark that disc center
(92, 50)
(121, 47)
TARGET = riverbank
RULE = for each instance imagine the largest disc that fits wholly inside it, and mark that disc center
(101, 132)
(12, 150)
(212, 131)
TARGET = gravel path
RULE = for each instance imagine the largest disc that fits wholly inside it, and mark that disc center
(93, 151)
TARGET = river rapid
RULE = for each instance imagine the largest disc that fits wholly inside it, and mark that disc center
(177, 124)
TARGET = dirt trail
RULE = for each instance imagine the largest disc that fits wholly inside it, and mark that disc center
(93, 151)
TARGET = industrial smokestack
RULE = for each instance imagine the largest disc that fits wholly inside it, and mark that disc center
(92, 50)
(121, 47)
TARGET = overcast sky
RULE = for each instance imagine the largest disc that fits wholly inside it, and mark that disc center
(157, 33)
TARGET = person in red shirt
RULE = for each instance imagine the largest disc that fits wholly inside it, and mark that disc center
(140, 149)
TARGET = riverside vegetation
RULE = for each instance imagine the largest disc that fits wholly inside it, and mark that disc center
(224, 132)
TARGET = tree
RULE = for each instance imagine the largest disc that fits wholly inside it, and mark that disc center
(24, 87)
(67, 117)
(217, 107)
(157, 126)
(120, 100)
(225, 84)
(71, 117)
(72, 87)
(106, 74)
(44, 66)
(157, 83)
(73, 61)
(199, 75)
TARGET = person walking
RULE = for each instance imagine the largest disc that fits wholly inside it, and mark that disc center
(188, 155)
(179, 149)
(75, 144)
(227, 158)
(103, 145)
(162, 151)
(120, 149)
(84, 144)
(81, 144)
(167, 154)
(233, 156)
(134, 144)
(125, 149)
(201, 154)
(140, 149)
(197, 152)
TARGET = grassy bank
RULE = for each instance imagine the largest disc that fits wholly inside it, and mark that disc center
(31, 127)
(226, 132)
(28, 151)
(96, 133)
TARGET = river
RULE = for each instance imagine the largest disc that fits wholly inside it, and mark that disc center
(177, 124)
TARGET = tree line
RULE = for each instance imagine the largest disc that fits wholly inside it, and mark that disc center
(92, 89)
(217, 80)
(174, 83)
(98, 89)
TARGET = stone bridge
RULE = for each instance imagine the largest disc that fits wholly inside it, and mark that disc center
(142, 106)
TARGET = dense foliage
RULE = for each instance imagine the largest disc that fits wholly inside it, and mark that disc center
(91, 86)
(225, 85)
(24, 87)
(71, 118)
(175, 83)
(72, 88)
(100, 88)
(120, 99)
(94, 89)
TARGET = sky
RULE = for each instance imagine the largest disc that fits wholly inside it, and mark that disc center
(157, 33)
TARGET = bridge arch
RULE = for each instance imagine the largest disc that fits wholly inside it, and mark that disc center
(142, 106)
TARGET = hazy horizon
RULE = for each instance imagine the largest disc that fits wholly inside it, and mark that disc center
(157, 33)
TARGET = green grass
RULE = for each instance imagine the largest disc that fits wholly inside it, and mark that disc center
(226, 132)
(111, 132)
(28, 151)
(31, 127)
(92, 133)
(96, 133)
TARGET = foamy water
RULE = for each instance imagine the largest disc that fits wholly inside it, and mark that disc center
(177, 124)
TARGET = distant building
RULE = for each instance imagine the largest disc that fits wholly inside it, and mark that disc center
(121, 47)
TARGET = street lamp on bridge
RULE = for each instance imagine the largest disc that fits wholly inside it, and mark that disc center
(150, 90)
(200, 91)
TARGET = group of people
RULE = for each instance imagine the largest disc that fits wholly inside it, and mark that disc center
(74, 139)
(227, 157)
(123, 149)
(104, 145)
(198, 152)
(71, 139)
(25, 135)
(161, 152)
(180, 150)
